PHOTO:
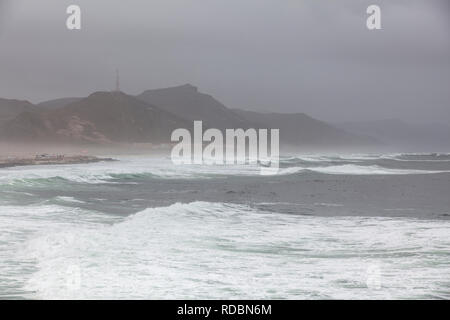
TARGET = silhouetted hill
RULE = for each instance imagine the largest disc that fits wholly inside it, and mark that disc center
(102, 117)
(9, 109)
(295, 129)
(105, 117)
(187, 102)
(299, 129)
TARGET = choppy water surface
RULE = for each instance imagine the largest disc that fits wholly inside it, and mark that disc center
(144, 228)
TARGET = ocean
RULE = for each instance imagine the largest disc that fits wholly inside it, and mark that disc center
(371, 226)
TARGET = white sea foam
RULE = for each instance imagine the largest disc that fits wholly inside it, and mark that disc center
(131, 168)
(219, 250)
(107, 172)
(20, 224)
(68, 199)
(417, 157)
(352, 169)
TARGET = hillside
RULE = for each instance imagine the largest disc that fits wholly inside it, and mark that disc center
(299, 129)
(109, 117)
(100, 118)
(295, 129)
(187, 102)
(9, 109)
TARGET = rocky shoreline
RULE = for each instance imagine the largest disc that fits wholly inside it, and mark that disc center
(50, 160)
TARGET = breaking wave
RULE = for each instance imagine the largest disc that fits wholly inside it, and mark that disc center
(205, 250)
(138, 169)
(368, 170)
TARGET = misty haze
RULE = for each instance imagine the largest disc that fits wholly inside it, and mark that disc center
(92, 206)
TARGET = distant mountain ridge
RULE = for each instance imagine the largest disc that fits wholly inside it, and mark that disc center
(397, 133)
(295, 129)
(299, 129)
(109, 117)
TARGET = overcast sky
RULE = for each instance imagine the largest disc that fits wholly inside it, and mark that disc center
(312, 56)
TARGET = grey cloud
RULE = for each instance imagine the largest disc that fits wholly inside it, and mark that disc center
(289, 56)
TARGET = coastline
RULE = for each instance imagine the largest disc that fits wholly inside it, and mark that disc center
(49, 160)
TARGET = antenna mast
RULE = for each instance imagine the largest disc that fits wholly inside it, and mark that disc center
(117, 80)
